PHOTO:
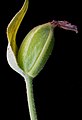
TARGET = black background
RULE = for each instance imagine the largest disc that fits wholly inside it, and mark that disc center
(58, 87)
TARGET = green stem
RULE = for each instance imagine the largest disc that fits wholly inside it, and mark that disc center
(30, 98)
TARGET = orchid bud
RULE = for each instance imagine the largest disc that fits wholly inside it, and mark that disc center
(36, 49)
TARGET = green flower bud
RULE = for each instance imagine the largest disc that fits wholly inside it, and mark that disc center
(36, 49)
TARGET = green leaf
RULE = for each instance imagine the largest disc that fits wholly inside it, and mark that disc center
(11, 35)
(14, 25)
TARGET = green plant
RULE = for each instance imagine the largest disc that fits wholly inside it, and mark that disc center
(30, 58)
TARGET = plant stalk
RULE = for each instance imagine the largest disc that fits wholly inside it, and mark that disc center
(30, 98)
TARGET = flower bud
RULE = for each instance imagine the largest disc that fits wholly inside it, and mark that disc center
(36, 49)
